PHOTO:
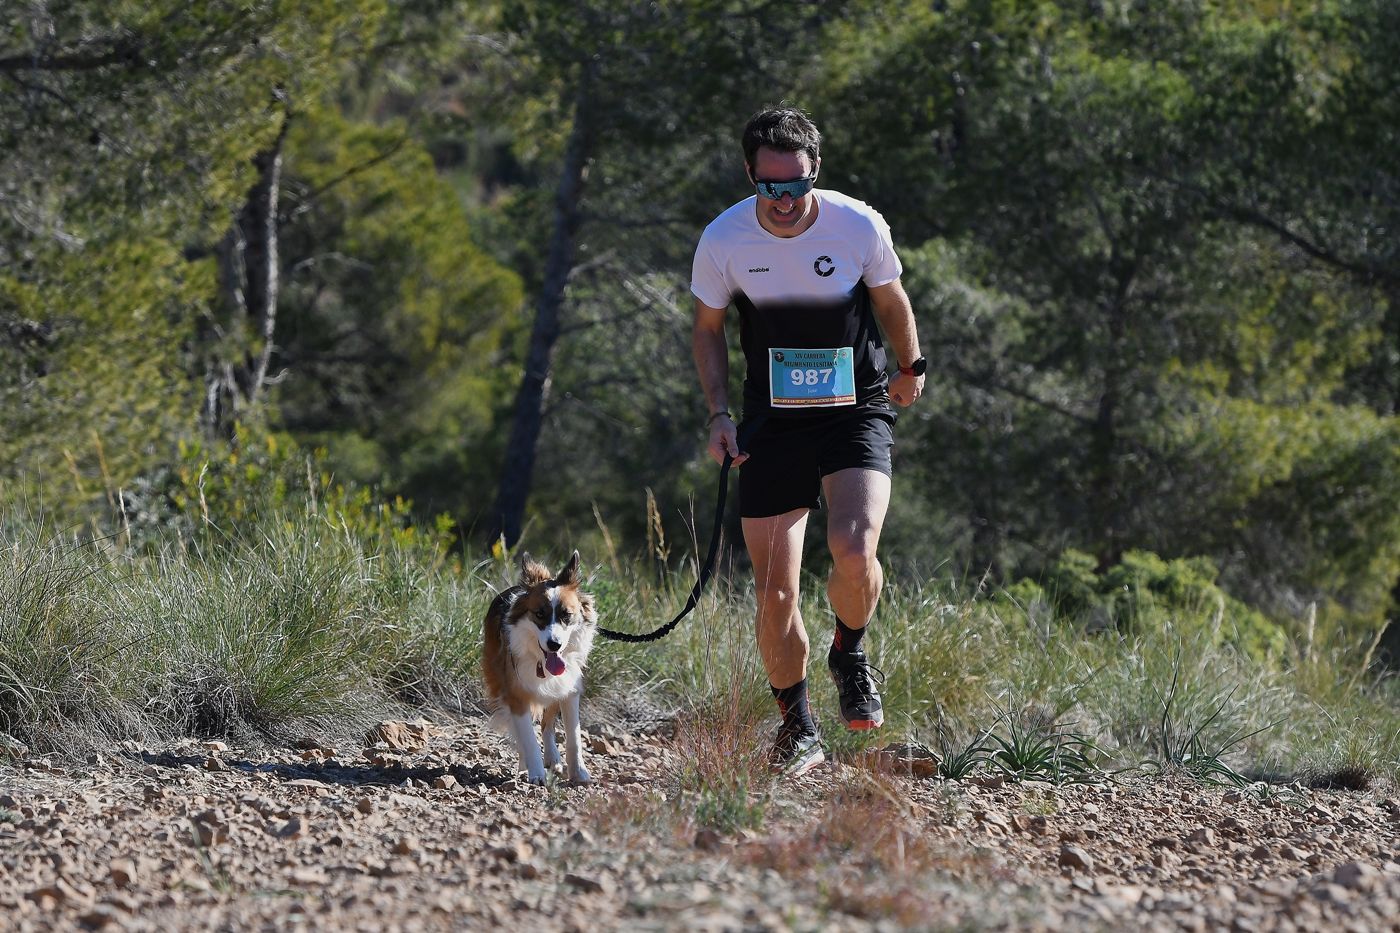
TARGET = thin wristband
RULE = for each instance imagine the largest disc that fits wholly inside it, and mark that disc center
(711, 419)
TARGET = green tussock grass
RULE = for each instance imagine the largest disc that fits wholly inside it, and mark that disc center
(299, 622)
(62, 637)
(294, 624)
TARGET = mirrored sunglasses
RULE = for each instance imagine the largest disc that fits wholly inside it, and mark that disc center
(774, 190)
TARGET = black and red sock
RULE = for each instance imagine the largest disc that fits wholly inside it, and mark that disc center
(796, 711)
(846, 639)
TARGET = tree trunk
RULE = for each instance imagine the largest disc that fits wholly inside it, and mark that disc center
(517, 471)
(986, 533)
(238, 339)
(1388, 648)
(1390, 636)
(1389, 352)
(261, 263)
(1106, 486)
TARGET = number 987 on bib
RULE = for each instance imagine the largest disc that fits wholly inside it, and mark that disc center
(811, 377)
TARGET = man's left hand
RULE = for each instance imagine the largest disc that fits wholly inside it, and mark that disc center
(906, 389)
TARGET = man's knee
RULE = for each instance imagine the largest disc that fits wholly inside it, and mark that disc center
(776, 600)
(854, 556)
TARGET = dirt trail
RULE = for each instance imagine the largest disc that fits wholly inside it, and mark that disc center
(428, 829)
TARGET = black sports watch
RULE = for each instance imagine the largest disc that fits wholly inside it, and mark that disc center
(917, 368)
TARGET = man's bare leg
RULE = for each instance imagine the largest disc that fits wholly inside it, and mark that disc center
(857, 500)
(775, 548)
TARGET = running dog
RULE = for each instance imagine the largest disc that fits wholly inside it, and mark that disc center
(538, 635)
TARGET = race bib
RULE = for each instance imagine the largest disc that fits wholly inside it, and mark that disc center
(815, 377)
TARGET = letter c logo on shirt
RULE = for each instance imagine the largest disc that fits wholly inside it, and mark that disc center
(823, 266)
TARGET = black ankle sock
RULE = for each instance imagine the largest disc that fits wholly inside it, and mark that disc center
(846, 639)
(792, 703)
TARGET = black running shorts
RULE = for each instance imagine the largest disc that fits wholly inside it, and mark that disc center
(789, 456)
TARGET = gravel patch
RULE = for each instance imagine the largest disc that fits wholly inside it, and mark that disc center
(425, 826)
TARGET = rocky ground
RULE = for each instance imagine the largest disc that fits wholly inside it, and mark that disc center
(426, 827)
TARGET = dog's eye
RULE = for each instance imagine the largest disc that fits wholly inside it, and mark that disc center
(564, 617)
(541, 613)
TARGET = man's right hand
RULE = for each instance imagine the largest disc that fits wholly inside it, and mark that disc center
(724, 439)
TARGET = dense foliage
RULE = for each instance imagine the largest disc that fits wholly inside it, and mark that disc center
(440, 249)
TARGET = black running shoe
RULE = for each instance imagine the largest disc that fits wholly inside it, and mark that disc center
(796, 752)
(856, 684)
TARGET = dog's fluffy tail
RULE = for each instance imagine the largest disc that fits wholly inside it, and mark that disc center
(501, 717)
(500, 721)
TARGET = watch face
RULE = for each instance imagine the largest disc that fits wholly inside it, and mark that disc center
(918, 366)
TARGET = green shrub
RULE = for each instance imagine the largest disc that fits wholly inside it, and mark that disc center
(1075, 588)
(1146, 590)
(222, 490)
(1144, 586)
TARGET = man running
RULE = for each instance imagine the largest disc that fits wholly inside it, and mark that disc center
(810, 271)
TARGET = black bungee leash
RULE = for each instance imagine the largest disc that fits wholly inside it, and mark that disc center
(706, 571)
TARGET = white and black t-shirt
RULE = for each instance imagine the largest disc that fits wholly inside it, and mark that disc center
(804, 304)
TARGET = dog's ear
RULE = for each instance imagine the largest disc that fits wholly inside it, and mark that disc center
(531, 571)
(569, 575)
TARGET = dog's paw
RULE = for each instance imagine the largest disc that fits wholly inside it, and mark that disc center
(580, 775)
(551, 758)
(535, 777)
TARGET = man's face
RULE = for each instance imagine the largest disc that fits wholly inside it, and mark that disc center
(786, 216)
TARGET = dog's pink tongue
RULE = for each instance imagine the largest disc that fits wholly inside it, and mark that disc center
(553, 663)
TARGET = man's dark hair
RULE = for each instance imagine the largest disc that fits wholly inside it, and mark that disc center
(785, 129)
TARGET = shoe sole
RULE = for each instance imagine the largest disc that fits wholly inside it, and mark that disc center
(799, 768)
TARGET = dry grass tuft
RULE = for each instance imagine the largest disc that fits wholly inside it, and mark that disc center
(724, 784)
(875, 853)
(629, 815)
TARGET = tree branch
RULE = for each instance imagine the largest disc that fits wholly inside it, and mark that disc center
(1255, 217)
(307, 201)
(42, 89)
(1325, 254)
(579, 326)
(120, 52)
(990, 383)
